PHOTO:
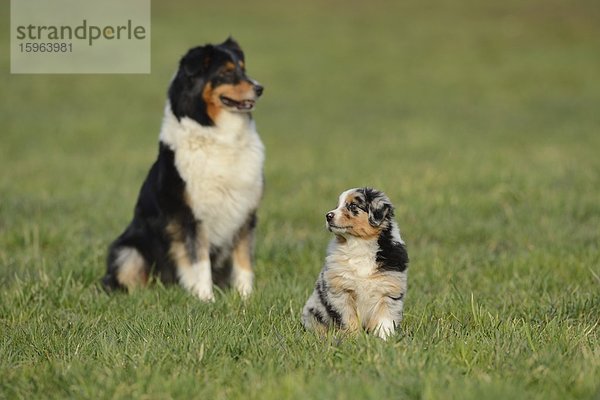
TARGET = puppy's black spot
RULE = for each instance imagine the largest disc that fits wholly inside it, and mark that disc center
(317, 314)
(378, 214)
(360, 203)
(392, 255)
(335, 316)
(353, 208)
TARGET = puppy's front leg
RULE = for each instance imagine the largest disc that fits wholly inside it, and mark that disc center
(325, 309)
(190, 251)
(386, 318)
(242, 276)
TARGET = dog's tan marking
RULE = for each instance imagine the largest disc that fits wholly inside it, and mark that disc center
(187, 199)
(179, 255)
(211, 96)
(242, 276)
(178, 251)
(237, 92)
(242, 252)
(213, 108)
(132, 272)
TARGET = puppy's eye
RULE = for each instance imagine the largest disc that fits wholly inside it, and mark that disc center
(352, 207)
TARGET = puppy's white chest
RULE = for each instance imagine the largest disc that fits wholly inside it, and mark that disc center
(362, 267)
(355, 260)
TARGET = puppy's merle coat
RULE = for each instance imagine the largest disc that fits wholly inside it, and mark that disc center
(196, 212)
(363, 282)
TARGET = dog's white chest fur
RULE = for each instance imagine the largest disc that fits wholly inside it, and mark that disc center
(222, 167)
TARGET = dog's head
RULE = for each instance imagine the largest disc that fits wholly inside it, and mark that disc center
(212, 79)
(362, 212)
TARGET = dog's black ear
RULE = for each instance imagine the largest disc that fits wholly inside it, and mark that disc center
(231, 44)
(197, 60)
(379, 210)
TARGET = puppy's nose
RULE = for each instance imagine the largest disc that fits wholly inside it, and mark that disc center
(258, 89)
(329, 216)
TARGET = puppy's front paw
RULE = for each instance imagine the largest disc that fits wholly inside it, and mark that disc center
(385, 329)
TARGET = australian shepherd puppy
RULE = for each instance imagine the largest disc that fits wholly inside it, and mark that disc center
(196, 212)
(363, 282)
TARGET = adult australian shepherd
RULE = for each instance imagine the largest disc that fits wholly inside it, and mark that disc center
(195, 215)
(363, 282)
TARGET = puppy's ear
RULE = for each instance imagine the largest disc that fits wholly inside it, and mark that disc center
(379, 211)
(197, 60)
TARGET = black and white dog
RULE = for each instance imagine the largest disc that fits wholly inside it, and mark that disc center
(363, 282)
(195, 215)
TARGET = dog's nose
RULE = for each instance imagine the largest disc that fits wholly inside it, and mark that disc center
(329, 216)
(258, 89)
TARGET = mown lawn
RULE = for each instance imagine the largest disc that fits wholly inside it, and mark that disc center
(481, 122)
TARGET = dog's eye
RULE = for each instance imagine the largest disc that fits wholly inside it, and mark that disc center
(352, 207)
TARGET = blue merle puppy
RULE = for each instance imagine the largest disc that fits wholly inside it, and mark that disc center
(363, 282)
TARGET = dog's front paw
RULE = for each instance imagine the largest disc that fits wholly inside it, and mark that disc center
(242, 282)
(204, 293)
(197, 279)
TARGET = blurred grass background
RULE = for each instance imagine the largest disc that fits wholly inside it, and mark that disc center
(480, 120)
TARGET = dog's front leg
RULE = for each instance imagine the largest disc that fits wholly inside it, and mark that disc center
(242, 275)
(190, 251)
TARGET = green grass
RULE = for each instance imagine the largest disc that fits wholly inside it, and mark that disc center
(480, 121)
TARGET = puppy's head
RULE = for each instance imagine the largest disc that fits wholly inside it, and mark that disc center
(362, 212)
(212, 79)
